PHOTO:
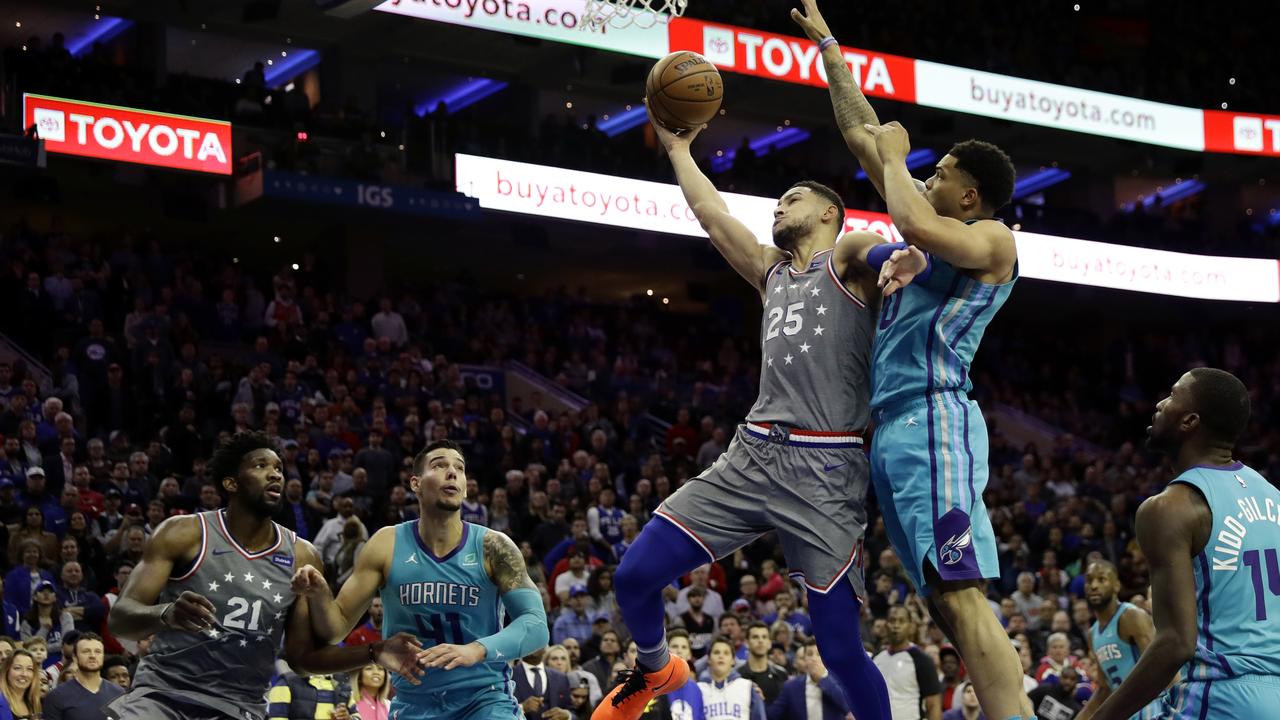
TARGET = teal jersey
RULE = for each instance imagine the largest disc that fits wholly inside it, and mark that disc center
(441, 600)
(1117, 656)
(1237, 575)
(928, 333)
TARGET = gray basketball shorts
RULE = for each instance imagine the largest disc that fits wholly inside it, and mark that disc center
(811, 487)
(153, 704)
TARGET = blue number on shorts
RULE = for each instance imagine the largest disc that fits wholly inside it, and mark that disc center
(1252, 559)
(437, 630)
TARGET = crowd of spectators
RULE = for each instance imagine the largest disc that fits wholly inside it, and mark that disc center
(156, 353)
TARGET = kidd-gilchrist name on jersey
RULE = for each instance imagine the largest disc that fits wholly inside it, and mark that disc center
(1237, 575)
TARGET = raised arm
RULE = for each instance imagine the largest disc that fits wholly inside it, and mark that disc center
(734, 241)
(853, 112)
(987, 246)
(332, 619)
(135, 615)
(1172, 528)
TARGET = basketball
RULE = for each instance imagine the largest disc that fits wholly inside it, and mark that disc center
(684, 91)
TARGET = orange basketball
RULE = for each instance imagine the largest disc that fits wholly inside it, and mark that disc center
(684, 91)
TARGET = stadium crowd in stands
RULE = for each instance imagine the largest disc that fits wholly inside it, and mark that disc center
(156, 353)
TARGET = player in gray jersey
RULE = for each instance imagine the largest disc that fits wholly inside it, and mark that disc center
(796, 465)
(214, 590)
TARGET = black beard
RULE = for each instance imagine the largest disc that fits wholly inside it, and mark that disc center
(445, 506)
(787, 236)
(1105, 601)
(1157, 444)
(260, 506)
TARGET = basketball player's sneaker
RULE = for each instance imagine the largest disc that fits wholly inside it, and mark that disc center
(628, 700)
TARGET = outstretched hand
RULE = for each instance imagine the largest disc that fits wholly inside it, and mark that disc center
(815, 28)
(448, 657)
(669, 139)
(399, 654)
(892, 141)
(901, 268)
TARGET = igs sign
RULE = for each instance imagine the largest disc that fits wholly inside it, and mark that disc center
(71, 127)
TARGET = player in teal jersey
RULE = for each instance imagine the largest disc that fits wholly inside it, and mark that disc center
(447, 582)
(1117, 639)
(1211, 540)
(929, 451)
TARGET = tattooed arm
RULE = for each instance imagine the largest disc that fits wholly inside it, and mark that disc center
(527, 631)
(851, 107)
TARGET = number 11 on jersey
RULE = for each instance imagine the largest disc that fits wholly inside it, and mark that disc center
(433, 627)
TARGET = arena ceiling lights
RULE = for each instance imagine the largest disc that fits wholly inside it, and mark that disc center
(549, 192)
(795, 60)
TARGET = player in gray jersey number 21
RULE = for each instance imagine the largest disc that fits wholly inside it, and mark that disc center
(213, 589)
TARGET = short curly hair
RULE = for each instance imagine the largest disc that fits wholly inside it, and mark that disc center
(226, 461)
(991, 169)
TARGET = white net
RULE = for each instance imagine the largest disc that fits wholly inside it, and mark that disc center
(625, 13)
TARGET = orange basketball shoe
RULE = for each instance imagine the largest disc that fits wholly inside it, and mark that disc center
(628, 700)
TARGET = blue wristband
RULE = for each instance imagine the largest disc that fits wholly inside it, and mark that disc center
(826, 42)
(879, 255)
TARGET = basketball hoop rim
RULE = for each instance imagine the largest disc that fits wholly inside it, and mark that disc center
(621, 14)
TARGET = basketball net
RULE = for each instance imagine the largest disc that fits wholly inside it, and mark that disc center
(624, 13)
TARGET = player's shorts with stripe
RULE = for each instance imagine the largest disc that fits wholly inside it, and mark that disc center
(809, 486)
(929, 467)
(1244, 697)
(494, 702)
(152, 704)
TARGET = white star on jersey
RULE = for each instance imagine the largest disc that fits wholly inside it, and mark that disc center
(214, 633)
(822, 309)
(804, 347)
(213, 586)
(814, 292)
(789, 358)
(266, 584)
(770, 361)
(777, 289)
(248, 577)
(817, 330)
(792, 286)
(229, 577)
(279, 615)
(244, 643)
(277, 597)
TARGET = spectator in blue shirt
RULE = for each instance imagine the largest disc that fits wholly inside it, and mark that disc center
(573, 621)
